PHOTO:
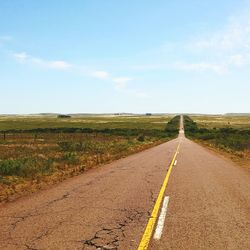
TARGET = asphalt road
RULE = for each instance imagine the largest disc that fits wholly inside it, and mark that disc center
(110, 207)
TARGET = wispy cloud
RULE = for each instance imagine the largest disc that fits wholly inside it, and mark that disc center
(62, 65)
(120, 82)
(239, 59)
(100, 74)
(201, 67)
(229, 46)
(23, 57)
(217, 52)
(222, 66)
(235, 35)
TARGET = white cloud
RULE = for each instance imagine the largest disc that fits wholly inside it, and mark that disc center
(21, 57)
(220, 67)
(58, 65)
(100, 74)
(235, 35)
(202, 66)
(229, 39)
(239, 59)
(217, 52)
(121, 82)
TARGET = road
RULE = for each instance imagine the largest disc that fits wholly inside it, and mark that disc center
(112, 206)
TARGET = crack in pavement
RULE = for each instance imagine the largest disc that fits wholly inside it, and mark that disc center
(89, 211)
(34, 213)
(30, 248)
(109, 237)
(152, 198)
(65, 196)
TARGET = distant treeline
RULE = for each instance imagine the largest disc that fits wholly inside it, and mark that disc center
(235, 139)
(173, 125)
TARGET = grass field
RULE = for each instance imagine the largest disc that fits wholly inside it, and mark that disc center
(222, 121)
(94, 122)
(230, 134)
(36, 151)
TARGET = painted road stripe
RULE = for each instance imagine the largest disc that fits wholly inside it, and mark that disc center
(151, 222)
(175, 162)
(161, 220)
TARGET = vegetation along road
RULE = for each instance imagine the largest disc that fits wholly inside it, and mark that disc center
(177, 195)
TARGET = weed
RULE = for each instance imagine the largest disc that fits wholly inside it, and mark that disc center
(70, 158)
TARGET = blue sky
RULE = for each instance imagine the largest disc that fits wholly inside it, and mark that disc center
(95, 56)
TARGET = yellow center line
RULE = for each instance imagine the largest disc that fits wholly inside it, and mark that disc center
(151, 222)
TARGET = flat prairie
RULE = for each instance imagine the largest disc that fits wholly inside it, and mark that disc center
(95, 122)
(221, 121)
(36, 151)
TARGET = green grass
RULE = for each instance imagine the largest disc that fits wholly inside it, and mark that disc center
(151, 126)
(222, 121)
(38, 148)
(228, 137)
(26, 167)
(93, 122)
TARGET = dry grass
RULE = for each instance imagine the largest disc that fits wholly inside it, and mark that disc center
(222, 121)
(34, 160)
(94, 122)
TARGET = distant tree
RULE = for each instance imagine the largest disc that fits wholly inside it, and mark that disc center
(63, 116)
(141, 138)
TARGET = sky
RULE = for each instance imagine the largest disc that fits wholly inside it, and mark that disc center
(96, 56)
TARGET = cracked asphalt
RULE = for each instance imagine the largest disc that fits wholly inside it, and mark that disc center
(109, 207)
(105, 208)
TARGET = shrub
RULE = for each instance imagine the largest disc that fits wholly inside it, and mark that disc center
(27, 167)
(63, 116)
(172, 127)
(141, 138)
